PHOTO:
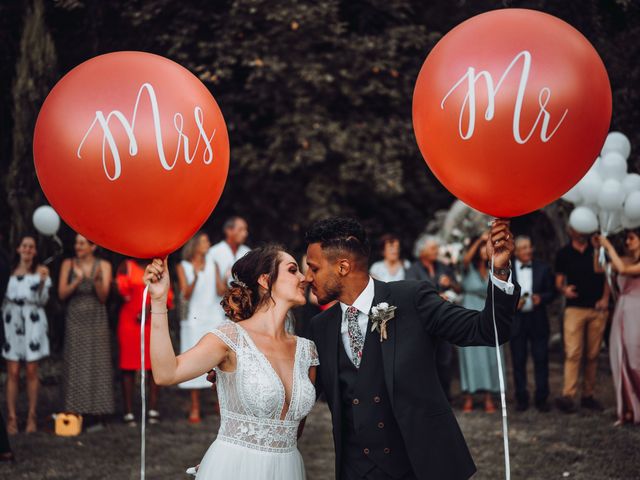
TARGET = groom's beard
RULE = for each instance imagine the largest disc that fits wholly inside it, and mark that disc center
(332, 291)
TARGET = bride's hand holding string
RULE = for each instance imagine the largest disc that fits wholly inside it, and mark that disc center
(156, 276)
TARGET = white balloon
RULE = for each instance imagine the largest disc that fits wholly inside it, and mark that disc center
(573, 195)
(589, 187)
(627, 223)
(631, 183)
(593, 207)
(610, 221)
(583, 220)
(596, 165)
(613, 166)
(611, 196)
(632, 206)
(617, 142)
(46, 220)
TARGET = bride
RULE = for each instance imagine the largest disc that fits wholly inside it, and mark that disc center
(265, 376)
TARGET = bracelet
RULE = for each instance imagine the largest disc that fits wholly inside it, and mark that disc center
(159, 313)
(502, 271)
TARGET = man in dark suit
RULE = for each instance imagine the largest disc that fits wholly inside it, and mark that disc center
(531, 325)
(391, 418)
(5, 272)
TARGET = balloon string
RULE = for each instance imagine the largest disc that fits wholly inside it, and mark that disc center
(143, 392)
(602, 258)
(503, 401)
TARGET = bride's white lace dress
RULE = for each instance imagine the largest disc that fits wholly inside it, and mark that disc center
(257, 439)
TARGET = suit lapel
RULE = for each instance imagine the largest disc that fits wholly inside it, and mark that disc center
(333, 340)
(388, 346)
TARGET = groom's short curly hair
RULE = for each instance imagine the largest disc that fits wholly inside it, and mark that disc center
(340, 235)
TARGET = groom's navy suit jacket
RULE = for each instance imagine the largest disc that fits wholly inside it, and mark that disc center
(434, 443)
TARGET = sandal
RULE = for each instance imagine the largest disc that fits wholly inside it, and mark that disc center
(32, 424)
(12, 425)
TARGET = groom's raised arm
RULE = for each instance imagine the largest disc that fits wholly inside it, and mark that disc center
(462, 326)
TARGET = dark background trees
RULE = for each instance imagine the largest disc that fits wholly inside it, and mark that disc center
(316, 94)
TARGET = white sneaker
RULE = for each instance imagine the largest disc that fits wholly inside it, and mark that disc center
(154, 417)
(129, 419)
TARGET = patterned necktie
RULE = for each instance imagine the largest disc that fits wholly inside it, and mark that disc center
(356, 340)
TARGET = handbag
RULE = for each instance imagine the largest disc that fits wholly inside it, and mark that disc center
(68, 424)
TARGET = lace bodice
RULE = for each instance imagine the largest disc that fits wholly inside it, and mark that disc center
(252, 398)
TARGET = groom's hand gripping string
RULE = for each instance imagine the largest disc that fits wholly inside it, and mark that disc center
(500, 246)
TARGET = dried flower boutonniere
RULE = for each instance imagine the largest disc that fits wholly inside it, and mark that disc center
(380, 315)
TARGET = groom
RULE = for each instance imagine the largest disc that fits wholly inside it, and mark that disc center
(391, 419)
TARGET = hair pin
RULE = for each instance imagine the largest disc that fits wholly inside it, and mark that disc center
(239, 282)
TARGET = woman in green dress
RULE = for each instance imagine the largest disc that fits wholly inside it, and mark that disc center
(478, 365)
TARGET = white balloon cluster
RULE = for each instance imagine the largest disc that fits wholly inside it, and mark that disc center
(607, 198)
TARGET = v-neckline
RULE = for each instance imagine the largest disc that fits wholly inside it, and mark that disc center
(283, 414)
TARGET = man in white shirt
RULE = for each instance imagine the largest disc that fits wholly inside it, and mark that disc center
(531, 324)
(391, 418)
(225, 253)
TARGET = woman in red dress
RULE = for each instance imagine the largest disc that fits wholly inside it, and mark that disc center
(129, 280)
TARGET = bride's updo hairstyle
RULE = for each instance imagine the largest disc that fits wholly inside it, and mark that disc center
(245, 295)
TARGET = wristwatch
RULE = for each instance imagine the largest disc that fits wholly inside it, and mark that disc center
(506, 271)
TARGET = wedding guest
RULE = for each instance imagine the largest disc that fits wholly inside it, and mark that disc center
(84, 284)
(25, 329)
(531, 324)
(197, 285)
(587, 299)
(130, 282)
(429, 268)
(225, 253)
(624, 341)
(478, 365)
(392, 267)
(6, 454)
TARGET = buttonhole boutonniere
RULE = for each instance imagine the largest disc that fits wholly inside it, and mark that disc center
(380, 316)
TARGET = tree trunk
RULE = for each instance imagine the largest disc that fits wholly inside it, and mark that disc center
(35, 74)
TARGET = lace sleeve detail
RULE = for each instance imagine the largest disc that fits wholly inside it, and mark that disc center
(228, 333)
(314, 360)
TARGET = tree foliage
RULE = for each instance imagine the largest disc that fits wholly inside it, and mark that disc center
(316, 94)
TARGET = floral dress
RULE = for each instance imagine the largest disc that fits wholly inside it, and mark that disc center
(24, 320)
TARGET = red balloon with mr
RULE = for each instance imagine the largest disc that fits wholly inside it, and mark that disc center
(510, 110)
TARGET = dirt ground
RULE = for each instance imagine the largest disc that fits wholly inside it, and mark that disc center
(543, 446)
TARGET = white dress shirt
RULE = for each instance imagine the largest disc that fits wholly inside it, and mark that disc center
(221, 255)
(364, 302)
(525, 279)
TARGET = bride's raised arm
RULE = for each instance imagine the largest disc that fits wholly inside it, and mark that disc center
(168, 369)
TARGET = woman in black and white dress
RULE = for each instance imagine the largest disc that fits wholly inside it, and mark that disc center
(25, 329)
